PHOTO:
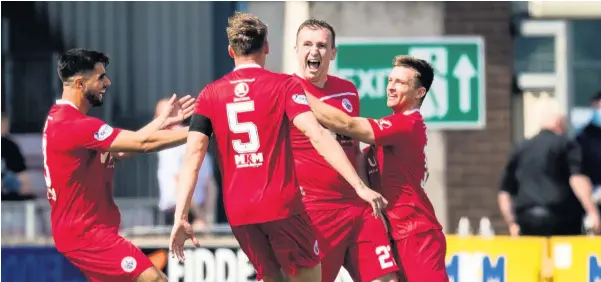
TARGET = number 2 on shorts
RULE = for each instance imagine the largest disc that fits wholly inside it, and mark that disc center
(384, 256)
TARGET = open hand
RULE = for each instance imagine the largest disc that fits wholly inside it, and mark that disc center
(177, 110)
(182, 231)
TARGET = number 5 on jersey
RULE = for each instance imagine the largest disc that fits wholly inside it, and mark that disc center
(247, 152)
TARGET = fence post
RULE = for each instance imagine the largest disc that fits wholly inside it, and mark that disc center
(30, 222)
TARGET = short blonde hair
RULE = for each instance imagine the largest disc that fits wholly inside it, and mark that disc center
(246, 33)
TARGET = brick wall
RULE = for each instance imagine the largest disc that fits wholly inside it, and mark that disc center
(475, 158)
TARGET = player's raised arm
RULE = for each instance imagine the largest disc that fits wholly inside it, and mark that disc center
(151, 137)
(379, 132)
(336, 120)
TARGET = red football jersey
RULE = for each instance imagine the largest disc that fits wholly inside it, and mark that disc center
(372, 168)
(401, 154)
(250, 110)
(323, 186)
(79, 176)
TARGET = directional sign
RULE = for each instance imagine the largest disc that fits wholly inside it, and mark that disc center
(456, 99)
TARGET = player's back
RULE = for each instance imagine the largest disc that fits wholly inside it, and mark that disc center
(79, 176)
(327, 189)
(250, 117)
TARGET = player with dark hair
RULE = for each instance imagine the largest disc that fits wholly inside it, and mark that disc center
(249, 111)
(78, 168)
(348, 233)
(400, 146)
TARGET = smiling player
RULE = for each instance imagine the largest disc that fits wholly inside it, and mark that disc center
(78, 168)
(400, 141)
(249, 110)
(349, 234)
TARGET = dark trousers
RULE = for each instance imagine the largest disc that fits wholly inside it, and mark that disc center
(543, 221)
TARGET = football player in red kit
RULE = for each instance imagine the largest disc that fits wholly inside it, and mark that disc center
(400, 141)
(249, 111)
(348, 233)
(78, 155)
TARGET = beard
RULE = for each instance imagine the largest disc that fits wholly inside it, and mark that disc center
(94, 100)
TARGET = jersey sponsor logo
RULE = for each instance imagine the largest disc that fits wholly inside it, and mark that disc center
(300, 99)
(383, 123)
(241, 89)
(249, 160)
(347, 105)
(372, 162)
(103, 132)
(128, 264)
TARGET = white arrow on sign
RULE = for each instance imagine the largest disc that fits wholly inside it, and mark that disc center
(464, 71)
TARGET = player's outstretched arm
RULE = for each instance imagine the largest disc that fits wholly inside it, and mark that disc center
(152, 138)
(333, 153)
(336, 120)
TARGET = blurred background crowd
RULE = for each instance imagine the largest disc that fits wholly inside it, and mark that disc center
(540, 61)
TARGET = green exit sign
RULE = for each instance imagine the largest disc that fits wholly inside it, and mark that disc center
(456, 99)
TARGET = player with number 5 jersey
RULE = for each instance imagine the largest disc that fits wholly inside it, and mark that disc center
(249, 112)
(400, 145)
(79, 153)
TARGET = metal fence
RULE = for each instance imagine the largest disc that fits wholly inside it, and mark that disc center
(30, 220)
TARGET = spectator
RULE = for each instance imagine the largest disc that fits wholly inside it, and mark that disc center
(169, 163)
(590, 142)
(543, 190)
(14, 169)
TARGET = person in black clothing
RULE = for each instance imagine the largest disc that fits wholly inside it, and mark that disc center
(543, 190)
(13, 164)
(590, 142)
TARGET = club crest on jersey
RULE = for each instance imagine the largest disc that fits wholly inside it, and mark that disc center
(128, 264)
(383, 123)
(316, 248)
(300, 99)
(103, 132)
(347, 105)
(241, 89)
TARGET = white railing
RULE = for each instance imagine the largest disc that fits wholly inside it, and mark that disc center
(30, 220)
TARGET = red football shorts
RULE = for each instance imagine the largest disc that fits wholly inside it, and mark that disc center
(288, 243)
(353, 238)
(422, 257)
(110, 258)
